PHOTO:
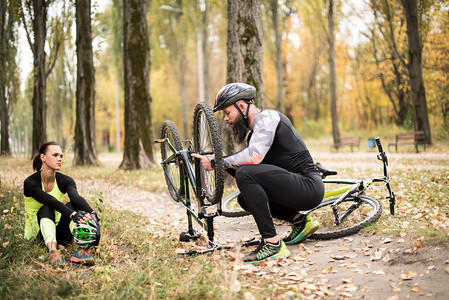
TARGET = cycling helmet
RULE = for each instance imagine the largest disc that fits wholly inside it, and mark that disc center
(233, 92)
(87, 235)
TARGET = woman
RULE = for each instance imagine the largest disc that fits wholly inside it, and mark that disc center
(47, 217)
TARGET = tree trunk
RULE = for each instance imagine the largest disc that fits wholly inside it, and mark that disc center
(244, 46)
(38, 101)
(5, 29)
(138, 152)
(84, 147)
(205, 46)
(333, 84)
(278, 60)
(244, 53)
(421, 118)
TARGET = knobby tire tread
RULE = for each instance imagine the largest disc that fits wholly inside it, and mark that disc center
(169, 126)
(377, 206)
(204, 108)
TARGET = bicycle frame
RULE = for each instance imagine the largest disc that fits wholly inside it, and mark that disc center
(182, 159)
(355, 188)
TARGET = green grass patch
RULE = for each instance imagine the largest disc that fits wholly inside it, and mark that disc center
(135, 259)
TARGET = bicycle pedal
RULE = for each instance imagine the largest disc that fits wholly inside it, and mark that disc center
(187, 237)
(208, 212)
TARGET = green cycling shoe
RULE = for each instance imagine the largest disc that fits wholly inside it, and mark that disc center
(267, 250)
(302, 228)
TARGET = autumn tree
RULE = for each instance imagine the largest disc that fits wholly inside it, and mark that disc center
(414, 65)
(388, 52)
(8, 74)
(138, 152)
(244, 45)
(34, 17)
(244, 52)
(175, 31)
(333, 79)
(278, 13)
(84, 147)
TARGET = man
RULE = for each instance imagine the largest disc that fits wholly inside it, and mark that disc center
(275, 173)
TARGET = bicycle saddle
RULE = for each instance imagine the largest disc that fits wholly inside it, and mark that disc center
(324, 171)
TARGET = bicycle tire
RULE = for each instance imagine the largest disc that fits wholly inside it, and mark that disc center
(172, 171)
(206, 139)
(368, 212)
(230, 208)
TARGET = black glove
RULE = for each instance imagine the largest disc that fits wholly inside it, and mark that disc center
(94, 216)
(78, 216)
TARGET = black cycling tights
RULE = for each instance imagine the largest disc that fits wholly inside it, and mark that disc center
(63, 234)
(268, 192)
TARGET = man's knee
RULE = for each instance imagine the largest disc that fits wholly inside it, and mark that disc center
(244, 174)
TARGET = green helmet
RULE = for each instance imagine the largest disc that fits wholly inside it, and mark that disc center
(87, 235)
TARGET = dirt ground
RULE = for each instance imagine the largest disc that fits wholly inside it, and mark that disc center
(361, 266)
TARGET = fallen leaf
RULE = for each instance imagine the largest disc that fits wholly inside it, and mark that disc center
(342, 248)
(5, 244)
(347, 280)
(415, 287)
(409, 275)
(386, 241)
(379, 272)
(377, 255)
(235, 286)
(338, 257)
(348, 240)
(327, 271)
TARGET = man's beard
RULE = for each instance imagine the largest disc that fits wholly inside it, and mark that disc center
(239, 129)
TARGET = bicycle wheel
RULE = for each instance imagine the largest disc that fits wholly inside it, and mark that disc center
(206, 140)
(172, 171)
(367, 210)
(231, 208)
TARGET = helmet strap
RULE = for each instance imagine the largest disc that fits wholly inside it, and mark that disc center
(245, 116)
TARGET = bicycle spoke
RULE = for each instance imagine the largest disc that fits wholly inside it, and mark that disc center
(171, 169)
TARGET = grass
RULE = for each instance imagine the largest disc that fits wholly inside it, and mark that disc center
(137, 259)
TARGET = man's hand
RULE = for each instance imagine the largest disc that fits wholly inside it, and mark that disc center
(205, 160)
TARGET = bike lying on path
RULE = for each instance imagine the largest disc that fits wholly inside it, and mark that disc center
(345, 208)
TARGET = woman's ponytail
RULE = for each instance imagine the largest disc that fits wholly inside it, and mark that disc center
(37, 162)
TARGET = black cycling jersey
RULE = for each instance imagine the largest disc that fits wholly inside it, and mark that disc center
(274, 141)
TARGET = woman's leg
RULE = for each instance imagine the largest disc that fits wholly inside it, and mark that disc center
(64, 229)
(46, 220)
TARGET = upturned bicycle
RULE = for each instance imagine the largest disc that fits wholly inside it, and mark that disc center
(345, 209)
(199, 190)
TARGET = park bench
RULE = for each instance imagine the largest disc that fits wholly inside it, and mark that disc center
(409, 138)
(352, 141)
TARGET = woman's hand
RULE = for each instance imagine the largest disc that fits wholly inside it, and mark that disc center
(80, 217)
(205, 160)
